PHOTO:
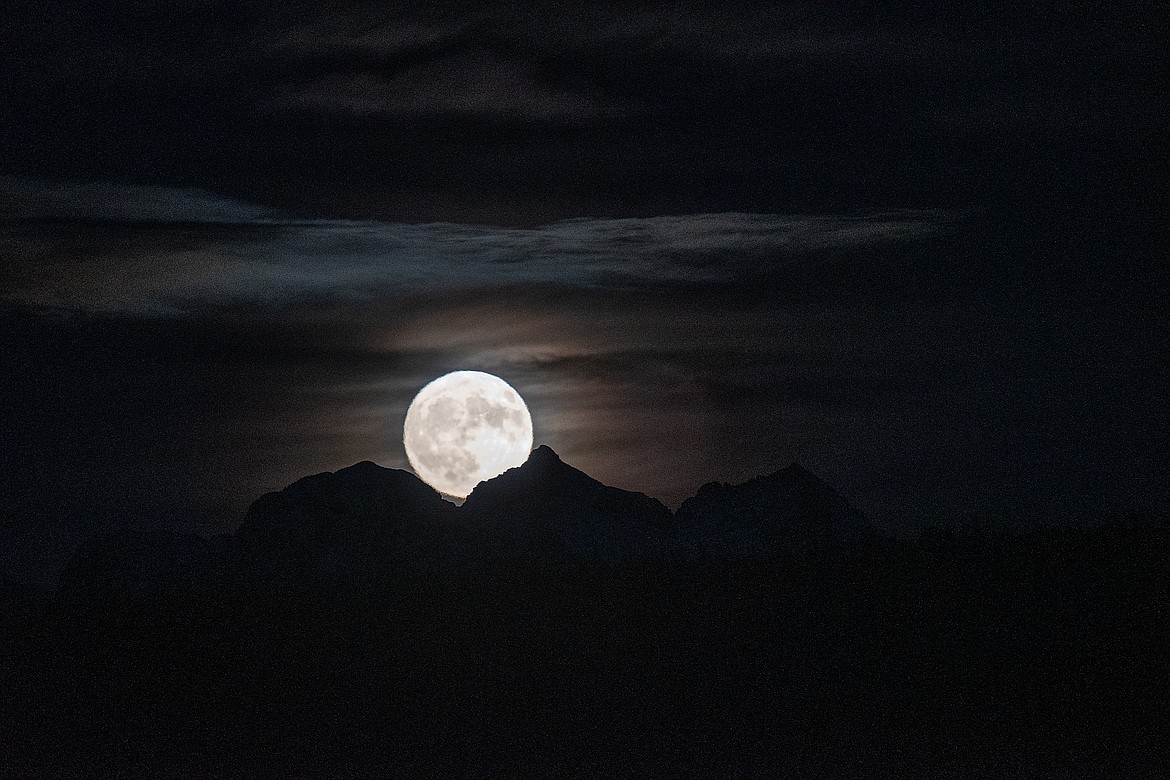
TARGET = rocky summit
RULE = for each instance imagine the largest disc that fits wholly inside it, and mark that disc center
(548, 511)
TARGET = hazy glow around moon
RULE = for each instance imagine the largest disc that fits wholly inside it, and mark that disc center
(465, 427)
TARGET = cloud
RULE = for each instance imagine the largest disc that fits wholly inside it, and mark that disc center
(27, 198)
(478, 85)
(543, 64)
(272, 261)
(369, 33)
(547, 111)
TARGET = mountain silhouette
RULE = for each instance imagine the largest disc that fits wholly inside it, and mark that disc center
(789, 512)
(364, 523)
(738, 658)
(546, 511)
(350, 525)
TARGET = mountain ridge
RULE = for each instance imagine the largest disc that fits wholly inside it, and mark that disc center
(357, 525)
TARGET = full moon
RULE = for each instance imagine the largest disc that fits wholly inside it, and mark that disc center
(465, 427)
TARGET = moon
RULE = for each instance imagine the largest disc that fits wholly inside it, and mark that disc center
(466, 427)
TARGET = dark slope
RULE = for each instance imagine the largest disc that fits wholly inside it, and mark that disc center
(354, 524)
(789, 512)
(546, 511)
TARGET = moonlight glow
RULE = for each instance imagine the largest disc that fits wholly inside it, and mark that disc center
(465, 427)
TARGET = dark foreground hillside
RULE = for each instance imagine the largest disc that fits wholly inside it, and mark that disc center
(1040, 655)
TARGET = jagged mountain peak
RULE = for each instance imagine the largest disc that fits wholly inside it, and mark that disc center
(544, 472)
(546, 510)
(544, 454)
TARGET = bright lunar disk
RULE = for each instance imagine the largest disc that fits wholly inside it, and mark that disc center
(465, 427)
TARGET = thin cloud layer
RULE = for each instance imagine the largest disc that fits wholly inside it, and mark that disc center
(191, 263)
(24, 198)
(476, 86)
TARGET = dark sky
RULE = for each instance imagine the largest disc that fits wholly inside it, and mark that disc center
(920, 250)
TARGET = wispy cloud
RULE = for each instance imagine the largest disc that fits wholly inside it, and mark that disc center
(29, 198)
(189, 262)
(478, 85)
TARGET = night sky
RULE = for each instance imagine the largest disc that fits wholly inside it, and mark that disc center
(919, 250)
